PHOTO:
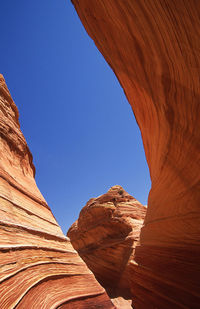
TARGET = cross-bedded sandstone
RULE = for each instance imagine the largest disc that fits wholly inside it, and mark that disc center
(105, 236)
(38, 266)
(153, 48)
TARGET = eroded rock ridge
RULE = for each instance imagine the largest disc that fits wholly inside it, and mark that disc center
(38, 266)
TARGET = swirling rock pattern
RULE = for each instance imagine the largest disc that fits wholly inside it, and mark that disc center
(105, 236)
(38, 266)
(154, 49)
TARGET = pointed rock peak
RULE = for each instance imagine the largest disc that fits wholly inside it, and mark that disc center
(116, 188)
(115, 194)
(119, 190)
(8, 102)
(119, 193)
(16, 161)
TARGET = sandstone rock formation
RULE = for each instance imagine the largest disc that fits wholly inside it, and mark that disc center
(105, 236)
(38, 266)
(154, 49)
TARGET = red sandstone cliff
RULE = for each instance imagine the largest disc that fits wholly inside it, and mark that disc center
(105, 236)
(154, 49)
(38, 266)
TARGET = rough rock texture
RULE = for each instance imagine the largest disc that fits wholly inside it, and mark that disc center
(122, 303)
(154, 49)
(38, 266)
(105, 236)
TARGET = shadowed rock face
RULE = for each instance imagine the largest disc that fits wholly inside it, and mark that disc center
(154, 49)
(38, 266)
(105, 236)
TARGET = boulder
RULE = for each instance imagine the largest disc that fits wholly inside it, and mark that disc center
(105, 236)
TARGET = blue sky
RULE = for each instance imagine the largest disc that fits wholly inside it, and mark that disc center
(73, 112)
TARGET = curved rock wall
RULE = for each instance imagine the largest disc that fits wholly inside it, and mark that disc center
(38, 266)
(153, 47)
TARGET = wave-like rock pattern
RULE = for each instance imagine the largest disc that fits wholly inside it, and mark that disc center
(105, 236)
(38, 266)
(154, 49)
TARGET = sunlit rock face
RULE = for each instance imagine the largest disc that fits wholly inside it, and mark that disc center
(154, 49)
(105, 236)
(38, 266)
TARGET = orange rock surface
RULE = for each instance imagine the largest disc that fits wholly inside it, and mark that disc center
(154, 49)
(105, 236)
(38, 266)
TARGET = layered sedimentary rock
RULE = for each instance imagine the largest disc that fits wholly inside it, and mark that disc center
(38, 266)
(105, 236)
(154, 49)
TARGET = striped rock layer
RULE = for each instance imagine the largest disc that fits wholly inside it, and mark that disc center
(105, 236)
(154, 49)
(38, 266)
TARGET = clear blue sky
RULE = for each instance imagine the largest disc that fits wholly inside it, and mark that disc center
(74, 114)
